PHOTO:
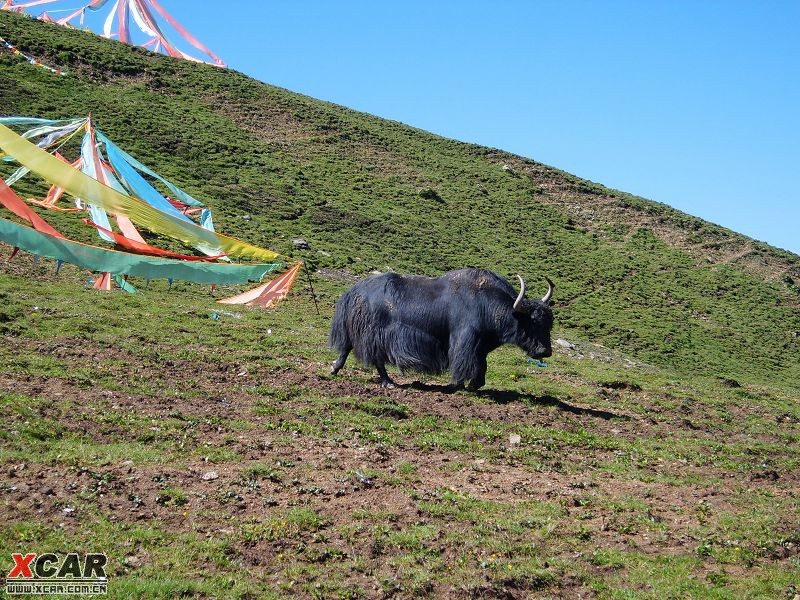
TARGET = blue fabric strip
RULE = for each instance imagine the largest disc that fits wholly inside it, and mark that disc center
(176, 191)
(138, 184)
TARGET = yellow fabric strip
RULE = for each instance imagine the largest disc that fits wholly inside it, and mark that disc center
(92, 191)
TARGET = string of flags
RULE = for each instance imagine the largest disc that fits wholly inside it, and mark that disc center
(117, 24)
(110, 185)
(30, 59)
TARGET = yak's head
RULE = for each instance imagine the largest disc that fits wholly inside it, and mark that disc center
(534, 319)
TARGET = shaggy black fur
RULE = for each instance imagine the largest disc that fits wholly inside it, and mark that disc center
(435, 324)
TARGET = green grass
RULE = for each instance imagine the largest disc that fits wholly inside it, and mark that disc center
(640, 278)
(288, 444)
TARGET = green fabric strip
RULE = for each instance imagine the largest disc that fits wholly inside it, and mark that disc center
(123, 263)
(124, 285)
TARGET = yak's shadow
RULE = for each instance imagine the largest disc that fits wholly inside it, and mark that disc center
(430, 387)
(507, 396)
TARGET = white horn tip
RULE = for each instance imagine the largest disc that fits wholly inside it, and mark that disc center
(521, 297)
(550, 287)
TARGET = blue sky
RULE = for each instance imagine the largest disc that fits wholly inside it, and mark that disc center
(694, 104)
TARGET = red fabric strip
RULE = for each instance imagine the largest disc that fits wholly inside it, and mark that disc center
(103, 282)
(122, 20)
(144, 248)
(185, 33)
(278, 291)
(10, 200)
(183, 207)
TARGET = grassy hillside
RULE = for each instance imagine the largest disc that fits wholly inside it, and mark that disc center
(631, 274)
(657, 455)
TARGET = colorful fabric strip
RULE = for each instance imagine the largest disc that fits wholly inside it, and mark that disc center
(10, 200)
(98, 259)
(30, 59)
(124, 285)
(81, 185)
(137, 184)
(145, 248)
(206, 221)
(269, 293)
(177, 192)
(90, 167)
(186, 35)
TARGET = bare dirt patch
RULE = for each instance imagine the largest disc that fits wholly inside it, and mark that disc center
(238, 477)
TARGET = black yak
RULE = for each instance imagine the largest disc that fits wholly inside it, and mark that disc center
(435, 324)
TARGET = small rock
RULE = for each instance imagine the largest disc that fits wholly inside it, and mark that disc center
(132, 561)
(301, 244)
(68, 510)
(781, 552)
(364, 480)
(565, 344)
(210, 476)
(769, 475)
(729, 383)
(514, 439)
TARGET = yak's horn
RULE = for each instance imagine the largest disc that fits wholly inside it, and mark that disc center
(521, 297)
(549, 293)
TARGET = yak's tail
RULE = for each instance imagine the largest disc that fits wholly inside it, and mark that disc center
(339, 338)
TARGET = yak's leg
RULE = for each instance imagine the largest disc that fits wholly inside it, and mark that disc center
(336, 367)
(479, 377)
(454, 386)
(467, 361)
(386, 381)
